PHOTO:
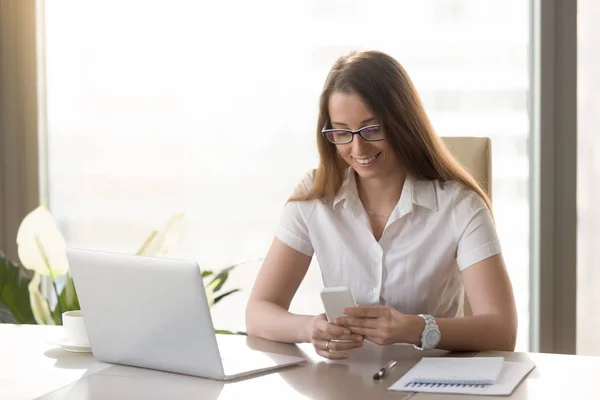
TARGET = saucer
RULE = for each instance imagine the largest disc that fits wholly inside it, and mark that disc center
(67, 345)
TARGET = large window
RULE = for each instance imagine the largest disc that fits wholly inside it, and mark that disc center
(588, 171)
(209, 108)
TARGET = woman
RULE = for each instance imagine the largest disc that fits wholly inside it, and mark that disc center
(389, 213)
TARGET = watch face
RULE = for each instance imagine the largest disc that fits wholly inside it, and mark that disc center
(432, 338)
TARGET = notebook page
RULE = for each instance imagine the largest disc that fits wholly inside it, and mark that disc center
(474, 371)
(510, 376)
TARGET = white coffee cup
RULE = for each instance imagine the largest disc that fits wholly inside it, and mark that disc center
(74, 328)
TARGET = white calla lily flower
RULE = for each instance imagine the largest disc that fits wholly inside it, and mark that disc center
(41, 246)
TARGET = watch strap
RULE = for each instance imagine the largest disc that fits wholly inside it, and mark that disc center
(429, 323)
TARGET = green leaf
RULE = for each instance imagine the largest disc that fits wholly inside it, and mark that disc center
(226, 332)
(209, 296)
(223, 332)
(160, 241)
(68, 301)
(217, 283)
(146, 243)
(221, 296)
(206, 273)
(14, 292)
(68, 297)
(6, 316)
(56, 316)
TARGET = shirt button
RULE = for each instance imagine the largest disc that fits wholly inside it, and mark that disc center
(375, 290)
(378, 258)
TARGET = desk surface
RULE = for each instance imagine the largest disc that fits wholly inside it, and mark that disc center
(31, 367)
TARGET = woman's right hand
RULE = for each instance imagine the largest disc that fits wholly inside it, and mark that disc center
(323, 333)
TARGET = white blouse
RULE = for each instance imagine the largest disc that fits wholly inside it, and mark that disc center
(435, 231)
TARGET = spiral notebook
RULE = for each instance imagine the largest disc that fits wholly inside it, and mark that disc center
(481, 375)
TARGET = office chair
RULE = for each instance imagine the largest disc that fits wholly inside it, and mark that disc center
(475, 154)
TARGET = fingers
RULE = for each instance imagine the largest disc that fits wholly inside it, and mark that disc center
(332, 341)
(368, 312)
(332, 356)
(343, 346)
(332, 329)
(335, 350)
(359, 322)
(362, 331)
(327, 335)
(326, 330)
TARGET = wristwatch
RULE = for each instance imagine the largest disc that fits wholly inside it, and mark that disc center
(431, 336)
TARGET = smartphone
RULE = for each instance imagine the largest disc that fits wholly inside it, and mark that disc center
(335, 299)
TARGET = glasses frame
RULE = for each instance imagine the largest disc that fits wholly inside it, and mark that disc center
(324, 133)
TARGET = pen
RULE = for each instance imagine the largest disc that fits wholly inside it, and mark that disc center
(379, 374)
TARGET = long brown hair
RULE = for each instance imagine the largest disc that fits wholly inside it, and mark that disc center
(383, 84)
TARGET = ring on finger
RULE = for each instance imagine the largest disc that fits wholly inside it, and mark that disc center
(327, 344)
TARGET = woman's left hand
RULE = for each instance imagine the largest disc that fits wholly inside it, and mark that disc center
(379, 324)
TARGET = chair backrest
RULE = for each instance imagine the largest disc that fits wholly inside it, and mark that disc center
(475, 154)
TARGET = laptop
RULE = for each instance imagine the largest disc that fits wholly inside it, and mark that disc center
(153, 313)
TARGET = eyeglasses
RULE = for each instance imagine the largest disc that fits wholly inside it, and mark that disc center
(371, 133)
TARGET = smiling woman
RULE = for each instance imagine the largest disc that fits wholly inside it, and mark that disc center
(429, 238)
(363, 153)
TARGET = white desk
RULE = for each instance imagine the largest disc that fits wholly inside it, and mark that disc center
(31, 368)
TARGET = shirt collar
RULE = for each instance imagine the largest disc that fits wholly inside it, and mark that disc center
(419, 192)
(424, 194)
(348, 190)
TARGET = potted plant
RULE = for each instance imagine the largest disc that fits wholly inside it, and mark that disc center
(42, 252)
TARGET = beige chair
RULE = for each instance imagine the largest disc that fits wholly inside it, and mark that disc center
(475, 154)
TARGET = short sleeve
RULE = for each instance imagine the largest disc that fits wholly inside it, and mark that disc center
(477, 236)
(293, 228)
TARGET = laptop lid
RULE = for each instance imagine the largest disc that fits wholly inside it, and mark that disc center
(146, 312)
